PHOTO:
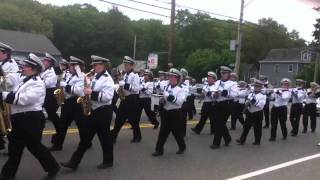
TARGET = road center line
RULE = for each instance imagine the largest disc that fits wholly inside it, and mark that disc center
(276, 167)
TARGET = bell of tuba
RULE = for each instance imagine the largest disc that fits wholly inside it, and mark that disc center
(85, 100)
(5, 109)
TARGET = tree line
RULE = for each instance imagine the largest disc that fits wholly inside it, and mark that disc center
(202, 42)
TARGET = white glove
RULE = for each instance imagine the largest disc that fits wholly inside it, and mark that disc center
(63, 84)
(121, 83)
(165, 94)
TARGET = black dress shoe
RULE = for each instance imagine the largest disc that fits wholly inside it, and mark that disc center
(104, 165)
(136, 140)
(294, 134)
(195, 130)
(256, 143)
(284, 138)
(156, 125)
(272, 139)
(52, 174)
(233, 128)
(181, 151)
(214, 146)
(69, 165)
(155, 154)
(266, 126)
(55, 148)
(313, 130)
(240, 142)
(304, 131)
(2, 146)
(227, 143)
(5, 178)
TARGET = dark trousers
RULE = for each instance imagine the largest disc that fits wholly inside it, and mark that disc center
(221, 130)
(255, 120)
(207, 111)
(70, 110)
(128, 109)
(310, 110)
(295, 114)
(114, 102)
(97, 123)
(145, 104)
(26, 132)
(266, 112)
(2, 141)
(170, 123)
(186, 109)
(192, 110)
(51, 107)
(236, 114)
(278, 114)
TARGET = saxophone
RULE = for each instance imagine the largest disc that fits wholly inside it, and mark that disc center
(5, 109)
(85, 100)
(59, 93)
(120, 90)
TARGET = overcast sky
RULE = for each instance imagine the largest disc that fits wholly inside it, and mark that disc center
(294, 14)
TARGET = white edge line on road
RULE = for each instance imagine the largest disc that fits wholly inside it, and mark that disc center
(276, 167)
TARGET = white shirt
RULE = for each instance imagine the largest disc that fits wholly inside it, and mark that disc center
(228, 85)
(179, 97)
(281, 99)
(28, 96)
(259, 104)
(134, 81)
(208, 88)
(102, 85)
(148, 86)
(298, 95)
(310, 98)
(186, 87)
(242, 95)
(10, 68)
(77, 85)
(49, 77)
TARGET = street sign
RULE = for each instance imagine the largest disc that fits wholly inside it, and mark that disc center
(152, 61)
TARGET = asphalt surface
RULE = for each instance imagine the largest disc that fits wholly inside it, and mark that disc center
(134, 161)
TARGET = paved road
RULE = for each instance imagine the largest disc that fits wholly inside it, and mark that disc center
(134, 161)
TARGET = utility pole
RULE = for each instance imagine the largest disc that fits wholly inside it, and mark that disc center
(172, 38)
(239, 40)
(134, 46)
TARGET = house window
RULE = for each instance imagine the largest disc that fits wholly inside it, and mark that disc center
(276, 68)
(290, 68)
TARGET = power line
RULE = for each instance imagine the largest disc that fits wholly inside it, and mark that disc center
(208, 12)
(152, 5)
(128, 7)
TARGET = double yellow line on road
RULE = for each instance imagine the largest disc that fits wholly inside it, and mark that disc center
(126, 126)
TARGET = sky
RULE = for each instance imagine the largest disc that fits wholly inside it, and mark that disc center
(294, 14)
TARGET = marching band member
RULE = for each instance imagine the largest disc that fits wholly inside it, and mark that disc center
(28, 121)
(239, 104)
(234, 104)
(185, 84)
(310, 108)
(207, 110)
(279, 110)
(71, 110)
(254, 114)
(128, 108)
(50, 102)
(267, 90)
(174, 97)
(101, 92)
(159, 87)
(146, 89)
(225, 91)
(193, 90)
(298, 95)
(8, 66)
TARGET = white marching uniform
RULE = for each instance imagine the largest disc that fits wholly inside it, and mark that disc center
(49, 77)
(73, 85)
(148, 89)
(11, 69)
(259, 104)
(229, 86)
(102, 90)
(134, 83)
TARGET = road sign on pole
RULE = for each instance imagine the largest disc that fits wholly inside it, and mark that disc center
(152, 61)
